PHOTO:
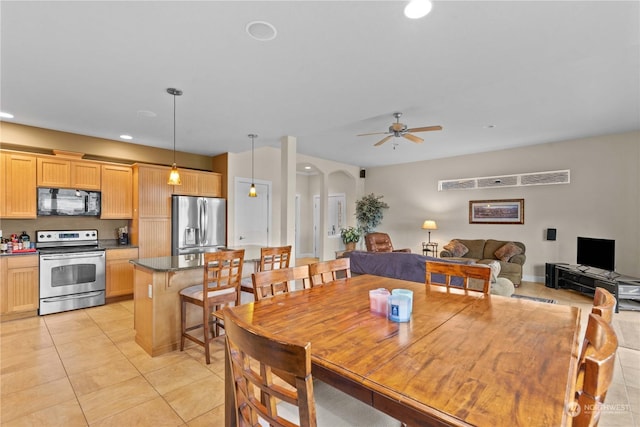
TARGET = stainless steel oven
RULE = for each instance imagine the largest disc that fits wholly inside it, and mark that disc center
(72, 270)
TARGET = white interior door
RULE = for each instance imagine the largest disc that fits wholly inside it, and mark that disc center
(252, 214)
(316, 226)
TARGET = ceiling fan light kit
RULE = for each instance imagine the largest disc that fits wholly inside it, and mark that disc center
(398, 130)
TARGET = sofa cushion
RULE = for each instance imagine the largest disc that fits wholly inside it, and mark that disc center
(475, 246)
(506, 251)
(456, 248)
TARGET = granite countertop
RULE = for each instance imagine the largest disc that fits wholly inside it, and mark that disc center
(113, 244)
(190, 261)
(171, 263)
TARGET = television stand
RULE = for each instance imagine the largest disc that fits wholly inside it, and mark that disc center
(625, 289)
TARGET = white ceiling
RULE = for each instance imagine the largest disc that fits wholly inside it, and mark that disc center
(540, 71)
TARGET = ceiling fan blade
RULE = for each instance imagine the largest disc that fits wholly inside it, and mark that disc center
(425, 129)
(374, 133)
(413, 138)
(383, 140)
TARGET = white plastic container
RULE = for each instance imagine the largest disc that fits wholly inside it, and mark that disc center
(399, 308)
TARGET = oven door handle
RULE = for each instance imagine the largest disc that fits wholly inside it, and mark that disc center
(74, 256)
(76, 296)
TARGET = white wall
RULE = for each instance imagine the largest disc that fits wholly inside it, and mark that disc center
(602, 200)
(340, 177)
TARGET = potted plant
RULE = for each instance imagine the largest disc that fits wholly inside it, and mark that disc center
(350, 236)
(369, 212)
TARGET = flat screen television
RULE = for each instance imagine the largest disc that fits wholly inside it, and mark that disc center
(597, 253)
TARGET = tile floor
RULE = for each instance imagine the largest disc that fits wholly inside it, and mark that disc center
(84, 368)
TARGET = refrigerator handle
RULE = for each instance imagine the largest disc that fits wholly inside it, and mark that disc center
(205, 222)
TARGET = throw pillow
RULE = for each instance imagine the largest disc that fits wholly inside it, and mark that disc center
(456, 248)
(506, 251)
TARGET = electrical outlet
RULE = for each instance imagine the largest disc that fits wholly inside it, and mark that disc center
(150, 291)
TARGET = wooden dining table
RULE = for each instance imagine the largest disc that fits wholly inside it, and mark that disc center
(464, 358)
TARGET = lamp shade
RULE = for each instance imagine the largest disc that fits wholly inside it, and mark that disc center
(429, 225)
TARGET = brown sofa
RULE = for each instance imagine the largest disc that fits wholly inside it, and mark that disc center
(483, 251)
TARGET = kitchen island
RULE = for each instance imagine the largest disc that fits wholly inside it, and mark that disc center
(157, 283)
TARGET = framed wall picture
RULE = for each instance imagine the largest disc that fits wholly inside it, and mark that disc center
(508, 211)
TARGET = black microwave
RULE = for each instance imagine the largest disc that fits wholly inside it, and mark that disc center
(62, 201)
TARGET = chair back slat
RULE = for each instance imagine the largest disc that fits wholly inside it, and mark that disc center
(328, 271)
(458, 276)
(267, 369)
(275, 257)
(273, 282)
(223, 272)
(595, 371)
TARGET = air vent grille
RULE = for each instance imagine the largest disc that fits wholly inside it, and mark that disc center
(517, 180)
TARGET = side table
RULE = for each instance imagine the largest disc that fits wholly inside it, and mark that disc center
(430, 247)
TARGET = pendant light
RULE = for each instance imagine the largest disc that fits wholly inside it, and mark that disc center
(174, 175)
(252, 190)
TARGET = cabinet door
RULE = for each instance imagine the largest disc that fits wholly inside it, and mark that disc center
(53, 172)
(154, 237)
(153, 192)
(19, 186)
(119, 272)
(210, 184)
(20, 285)
(85, 175)
(117, 192)
(199, 183)
(189, 186)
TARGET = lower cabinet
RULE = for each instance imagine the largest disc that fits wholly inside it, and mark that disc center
(19, 293)
(119, 272)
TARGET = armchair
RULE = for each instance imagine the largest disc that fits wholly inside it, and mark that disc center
(380, 242)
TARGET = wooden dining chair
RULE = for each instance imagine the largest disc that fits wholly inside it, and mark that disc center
(604, 304)
(220, 287)
(273, 282)
(271, 258)
(328, 271)
(595, 372)
(458, 276)
(273, 384)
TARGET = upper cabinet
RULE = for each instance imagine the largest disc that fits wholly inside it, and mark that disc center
(117, 192)
(199, 183)
(64, 173)
(18, 185)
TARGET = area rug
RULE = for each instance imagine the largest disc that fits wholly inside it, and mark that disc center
(538, 299)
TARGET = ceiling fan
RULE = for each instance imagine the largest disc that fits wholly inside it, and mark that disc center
(398, 129)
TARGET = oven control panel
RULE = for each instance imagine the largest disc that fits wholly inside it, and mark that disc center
(43, 236)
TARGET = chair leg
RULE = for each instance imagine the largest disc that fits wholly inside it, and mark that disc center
(206, 312)
(183, 322)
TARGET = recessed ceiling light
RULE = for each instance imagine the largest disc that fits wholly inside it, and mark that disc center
(307, 167)
(146, 113)
(417, 9)
(489, 126)
(127, 137)
(261, 30)
(6, 115)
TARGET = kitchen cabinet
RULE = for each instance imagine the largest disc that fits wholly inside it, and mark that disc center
(65, 173)
(151, 225)
(85, 175)
(199, 183)
(19, 289)
(18, 185)
(119, 271)
(117, 192)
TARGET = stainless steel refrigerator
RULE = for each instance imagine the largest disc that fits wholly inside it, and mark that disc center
(198, 224)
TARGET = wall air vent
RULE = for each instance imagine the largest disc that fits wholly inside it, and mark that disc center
(516, 180)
